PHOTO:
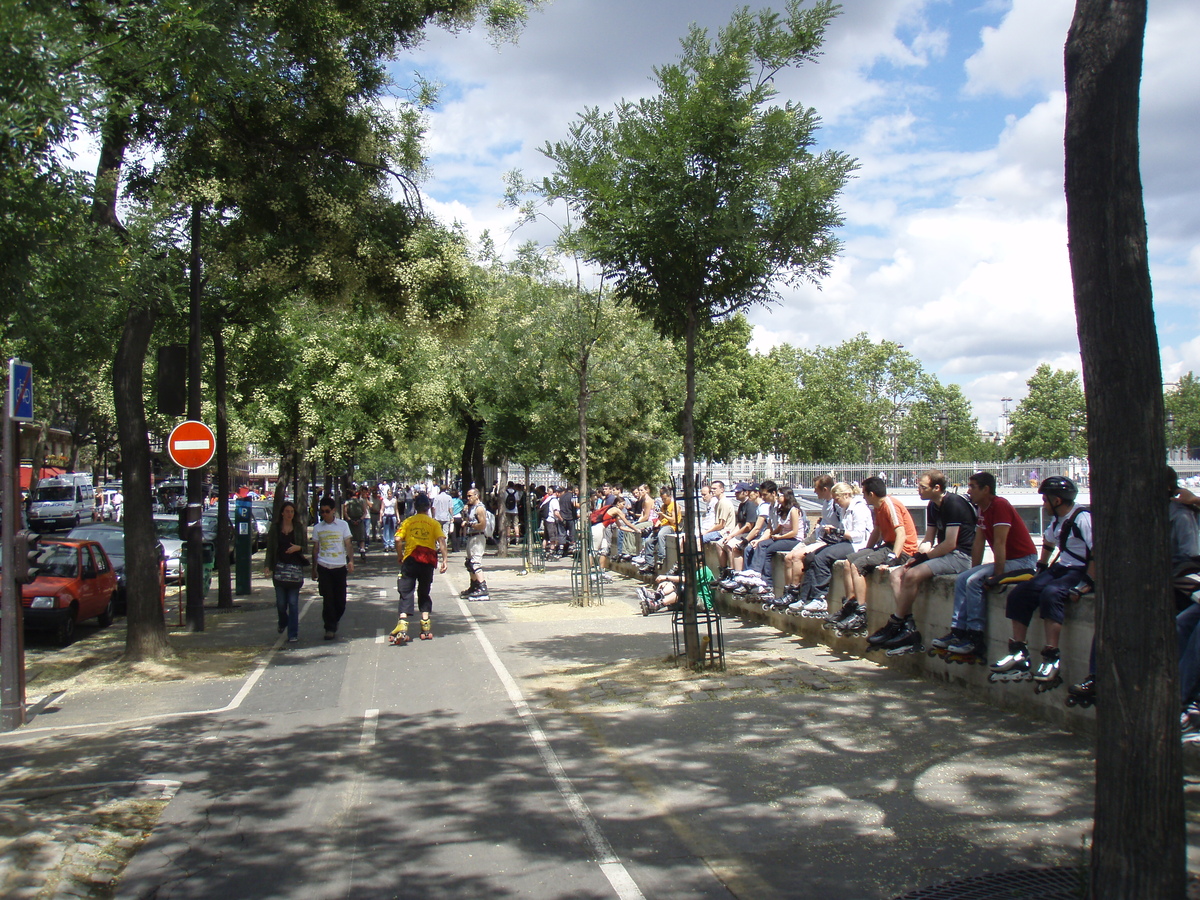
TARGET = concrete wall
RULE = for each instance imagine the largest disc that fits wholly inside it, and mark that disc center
(932, 613)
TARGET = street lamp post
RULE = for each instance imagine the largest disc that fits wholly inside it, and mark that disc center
(942, 420)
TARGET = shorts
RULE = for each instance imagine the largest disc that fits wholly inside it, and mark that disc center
(951, 564)
(868, 560)
(476, 544)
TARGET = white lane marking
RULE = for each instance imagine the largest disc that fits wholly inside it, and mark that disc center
(379, 635)
(383, 595)
(612, 867)
(233, 704)
(370, 724)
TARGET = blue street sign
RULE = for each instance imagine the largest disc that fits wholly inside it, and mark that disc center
(20, 390)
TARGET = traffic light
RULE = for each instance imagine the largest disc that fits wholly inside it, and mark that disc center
(27, 552)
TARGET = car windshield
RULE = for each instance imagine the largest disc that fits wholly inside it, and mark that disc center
(56, 494)
(166, 528)
(111, 539)
(59, 561)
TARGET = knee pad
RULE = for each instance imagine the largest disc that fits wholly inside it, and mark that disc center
(474, 567)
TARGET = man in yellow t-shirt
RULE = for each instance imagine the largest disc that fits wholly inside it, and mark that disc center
(420, 545)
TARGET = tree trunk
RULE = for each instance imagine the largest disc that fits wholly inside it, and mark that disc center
(472, 455)
(1139, 841)
(584, 523)
(146, 636)
(224, 576)
(501, 497)
(689, 561)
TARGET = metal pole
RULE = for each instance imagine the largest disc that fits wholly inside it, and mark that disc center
(195, 480)
(12, 631)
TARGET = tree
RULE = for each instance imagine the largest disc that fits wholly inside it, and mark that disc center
(697, 202)
(1051, 422)
(1183, 415)
(1139, 845)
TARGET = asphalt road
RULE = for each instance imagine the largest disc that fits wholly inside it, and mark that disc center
(355, 769)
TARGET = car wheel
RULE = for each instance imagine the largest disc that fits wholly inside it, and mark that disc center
(106, 618)
(65, 632)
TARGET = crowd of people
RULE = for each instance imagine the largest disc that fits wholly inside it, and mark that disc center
(863, 526)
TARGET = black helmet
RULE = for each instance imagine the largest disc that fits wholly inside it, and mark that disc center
(1059, 486)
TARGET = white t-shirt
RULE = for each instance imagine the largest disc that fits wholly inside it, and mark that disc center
(330, 541)
(442, 504)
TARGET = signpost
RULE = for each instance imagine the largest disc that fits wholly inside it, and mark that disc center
(18, 407)
(191, 446)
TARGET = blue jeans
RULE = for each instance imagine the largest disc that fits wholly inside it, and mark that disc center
(287, 604)
(970, 610)
(762, 556)
(1189, 652)
(389, 532)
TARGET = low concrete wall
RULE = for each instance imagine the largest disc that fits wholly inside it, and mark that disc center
(932, 613)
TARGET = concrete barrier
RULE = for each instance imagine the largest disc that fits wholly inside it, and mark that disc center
(932, 613)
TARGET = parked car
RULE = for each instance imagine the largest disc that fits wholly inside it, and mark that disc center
(112, 538)
(167, 527)
(260, 520)
(75, 581)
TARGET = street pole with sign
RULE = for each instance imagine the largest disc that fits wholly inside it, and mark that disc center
(18, 407)
(191, 446)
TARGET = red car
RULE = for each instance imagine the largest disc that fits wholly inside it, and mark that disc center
(75, 581)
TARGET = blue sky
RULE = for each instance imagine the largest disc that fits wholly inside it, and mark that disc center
(955, 224)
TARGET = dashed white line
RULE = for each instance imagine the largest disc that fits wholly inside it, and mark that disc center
(612, 867)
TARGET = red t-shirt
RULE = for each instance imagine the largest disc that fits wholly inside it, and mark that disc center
(1001, 512)
(890, 515)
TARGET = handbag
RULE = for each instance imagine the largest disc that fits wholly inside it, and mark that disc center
(288, 573)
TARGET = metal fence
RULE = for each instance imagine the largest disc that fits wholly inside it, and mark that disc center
(1026, 473)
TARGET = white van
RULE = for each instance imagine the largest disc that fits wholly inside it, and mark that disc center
(63, 502)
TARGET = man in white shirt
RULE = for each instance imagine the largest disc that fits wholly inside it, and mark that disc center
(333, 562)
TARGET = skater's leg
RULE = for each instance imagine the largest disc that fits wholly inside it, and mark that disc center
(970, 611)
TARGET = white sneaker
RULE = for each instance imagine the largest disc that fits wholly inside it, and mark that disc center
(816, 605)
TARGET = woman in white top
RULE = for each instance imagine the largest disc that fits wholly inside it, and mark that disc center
(853, 525)
(387, 517)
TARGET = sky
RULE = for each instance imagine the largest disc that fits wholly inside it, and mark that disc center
(955, 225)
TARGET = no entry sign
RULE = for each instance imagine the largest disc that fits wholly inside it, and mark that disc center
(191, 445)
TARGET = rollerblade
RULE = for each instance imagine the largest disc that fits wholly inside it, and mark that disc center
(426, 630)
(962, 647)
(479, 591)
(399, 636)
(777, 604)
(834, 620)
(891, 629)
(816, 608)
(1082, 694)
(907, 641)
(466, 595)
(1014, 667)
(855, 624)
(1046, 678)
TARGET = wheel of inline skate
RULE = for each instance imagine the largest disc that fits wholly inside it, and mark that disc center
(1071, 701)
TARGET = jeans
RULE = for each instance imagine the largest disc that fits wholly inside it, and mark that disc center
(287, 604)
(389, 532)
(1189, 652)
(665, 534)
(970, 610)
(818, 569)
(331, 583)
(762, 556)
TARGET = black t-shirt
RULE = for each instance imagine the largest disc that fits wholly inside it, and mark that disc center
(955, 510)
(566, 506)
(747, 512)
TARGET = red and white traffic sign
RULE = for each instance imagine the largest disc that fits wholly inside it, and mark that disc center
(191, 445)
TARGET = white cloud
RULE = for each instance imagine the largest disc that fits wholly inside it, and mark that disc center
(1024, 52)
(955, 235)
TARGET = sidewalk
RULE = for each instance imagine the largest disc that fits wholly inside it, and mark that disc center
(796, 772)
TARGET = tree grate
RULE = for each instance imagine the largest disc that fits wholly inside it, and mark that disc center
(1057, 883)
